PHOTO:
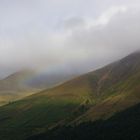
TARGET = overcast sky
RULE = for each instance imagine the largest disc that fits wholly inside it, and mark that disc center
(76, 35)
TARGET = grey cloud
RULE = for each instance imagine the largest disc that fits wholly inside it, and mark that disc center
(112, 41)
(30, 37)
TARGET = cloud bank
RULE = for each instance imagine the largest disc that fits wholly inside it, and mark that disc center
(66, 35)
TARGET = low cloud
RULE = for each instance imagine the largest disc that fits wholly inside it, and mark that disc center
(77, 43)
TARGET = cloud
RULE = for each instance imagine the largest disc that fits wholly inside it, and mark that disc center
(69, 38)
(111, 36)
(117, 30)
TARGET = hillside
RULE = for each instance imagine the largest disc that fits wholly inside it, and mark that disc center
(96, 95)
(24, 83)
(123, 125)
(14, 87)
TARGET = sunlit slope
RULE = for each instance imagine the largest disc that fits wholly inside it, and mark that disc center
(44, 110)
(13, 87)
(95, 95)
(26, 82)
(119, 89)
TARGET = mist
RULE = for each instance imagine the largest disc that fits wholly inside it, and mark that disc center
(74, 36)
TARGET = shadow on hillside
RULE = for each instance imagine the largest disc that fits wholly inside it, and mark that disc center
(124, 125)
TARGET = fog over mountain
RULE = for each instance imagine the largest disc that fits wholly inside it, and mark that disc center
(66, 35)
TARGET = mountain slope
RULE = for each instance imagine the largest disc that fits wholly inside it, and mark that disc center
(96, 95)
(123, 125)
(123, 88)
(14, 87)
(26, 82)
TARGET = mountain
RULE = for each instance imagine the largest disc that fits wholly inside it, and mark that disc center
(90, 97)
(14, 87)
(44, 80)
(26, 82)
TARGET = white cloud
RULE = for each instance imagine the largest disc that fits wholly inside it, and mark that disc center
(82, 35)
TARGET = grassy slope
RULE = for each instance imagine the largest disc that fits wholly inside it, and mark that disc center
(7, 97)
(95, 95)
(27, 82)
(122, 126)
(43, 110)
(13, 87)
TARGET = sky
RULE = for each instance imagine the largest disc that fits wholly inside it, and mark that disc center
(66, 35)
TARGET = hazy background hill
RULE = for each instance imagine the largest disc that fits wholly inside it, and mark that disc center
(26, 82)
(96, 95)
(13, 87)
